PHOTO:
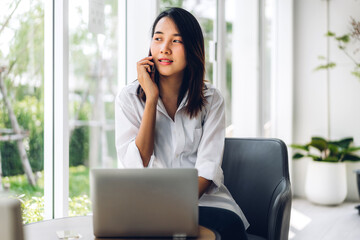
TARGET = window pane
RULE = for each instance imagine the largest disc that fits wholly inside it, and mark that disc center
(229, 19)
(267, 47)
(92, 89)
(21, 104)
(266, 61)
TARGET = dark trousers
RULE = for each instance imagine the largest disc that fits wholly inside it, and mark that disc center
(227, 223)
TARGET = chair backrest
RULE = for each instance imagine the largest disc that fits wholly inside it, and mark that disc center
(11, 227)
(257, 175)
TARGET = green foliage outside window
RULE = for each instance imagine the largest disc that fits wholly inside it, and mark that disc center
(23, 59)
(32, 199)
(29, 112)
(24, 63)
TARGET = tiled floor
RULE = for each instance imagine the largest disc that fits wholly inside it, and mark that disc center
(310, 221)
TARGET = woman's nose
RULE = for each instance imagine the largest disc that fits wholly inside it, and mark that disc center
(165, 48)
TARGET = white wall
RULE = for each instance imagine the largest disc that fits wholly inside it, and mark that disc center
(310, 86)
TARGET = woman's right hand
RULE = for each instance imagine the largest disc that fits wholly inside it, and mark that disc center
(146, 78)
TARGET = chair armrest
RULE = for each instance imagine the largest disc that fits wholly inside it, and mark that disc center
(279, 214)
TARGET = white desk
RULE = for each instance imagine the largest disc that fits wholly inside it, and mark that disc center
(46, 230)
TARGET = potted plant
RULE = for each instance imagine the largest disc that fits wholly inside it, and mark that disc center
(342, 43)
(326, 174)
(348, 44)
(328, 179)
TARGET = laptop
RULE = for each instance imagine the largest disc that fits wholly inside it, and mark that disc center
(144, 202)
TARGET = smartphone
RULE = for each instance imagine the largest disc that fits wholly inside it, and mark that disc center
(152, 67)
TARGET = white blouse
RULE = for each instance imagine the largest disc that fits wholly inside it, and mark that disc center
(183, 143)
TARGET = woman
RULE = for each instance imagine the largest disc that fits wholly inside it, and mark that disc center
(169, 118)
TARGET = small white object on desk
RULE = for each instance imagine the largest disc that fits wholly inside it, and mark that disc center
(68, 234)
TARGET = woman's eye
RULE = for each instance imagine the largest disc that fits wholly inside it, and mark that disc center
(178, 41)
(157, 39)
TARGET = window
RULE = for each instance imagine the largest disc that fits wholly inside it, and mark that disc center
(259, 48)
(92, 89)
(21, 104)
(267, 52)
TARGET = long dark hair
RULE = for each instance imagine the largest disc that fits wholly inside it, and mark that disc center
(193, 40)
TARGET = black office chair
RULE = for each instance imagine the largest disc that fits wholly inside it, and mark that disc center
(256, 173)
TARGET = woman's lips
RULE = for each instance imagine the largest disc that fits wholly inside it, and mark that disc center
(165, 61)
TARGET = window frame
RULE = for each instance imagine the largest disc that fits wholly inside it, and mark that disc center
(56, 124)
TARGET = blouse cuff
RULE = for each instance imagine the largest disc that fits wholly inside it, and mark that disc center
(133, 158)
(213, 172)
